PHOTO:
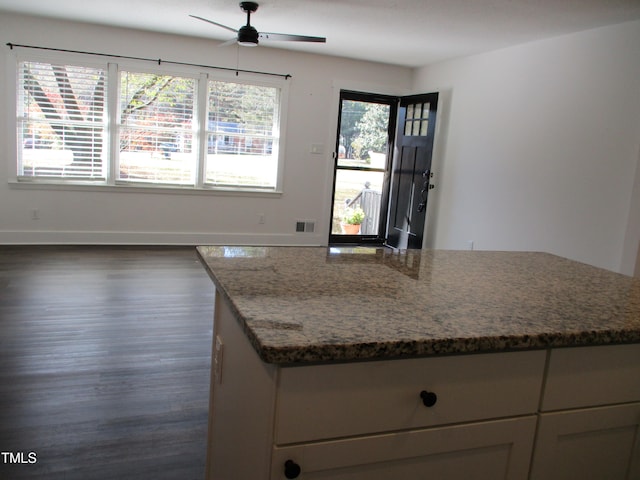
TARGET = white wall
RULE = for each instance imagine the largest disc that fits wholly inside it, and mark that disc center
(538, 146)
(126, 217)
(537, 149)
(630, 263)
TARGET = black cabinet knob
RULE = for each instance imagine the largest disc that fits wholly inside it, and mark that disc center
(428, 398)
(291, 469)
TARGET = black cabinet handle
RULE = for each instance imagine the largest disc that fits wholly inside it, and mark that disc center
(291, 469)
(428, 398)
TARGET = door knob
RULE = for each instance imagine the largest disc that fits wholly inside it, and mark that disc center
(428, 398)
(291, 469)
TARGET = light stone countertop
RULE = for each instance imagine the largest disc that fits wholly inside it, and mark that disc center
(318, 304)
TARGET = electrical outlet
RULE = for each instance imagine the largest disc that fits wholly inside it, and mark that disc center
(35, 214)
(262, 218)
(217, 359)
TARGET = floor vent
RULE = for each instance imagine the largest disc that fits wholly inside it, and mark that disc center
(305, 226)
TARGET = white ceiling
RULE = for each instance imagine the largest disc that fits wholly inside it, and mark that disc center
(403, 32)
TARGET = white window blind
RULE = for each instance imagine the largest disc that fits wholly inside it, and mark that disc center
(156, 118)
(242, 135)
(149, 133)
(61, 121)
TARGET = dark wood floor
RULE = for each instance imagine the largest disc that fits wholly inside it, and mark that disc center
(104, 362)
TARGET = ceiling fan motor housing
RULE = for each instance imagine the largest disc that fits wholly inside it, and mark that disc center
(247, 35)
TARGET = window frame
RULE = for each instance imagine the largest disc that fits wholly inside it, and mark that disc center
(202, 76)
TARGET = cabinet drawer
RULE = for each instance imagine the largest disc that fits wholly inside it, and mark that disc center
(592, 376)
(330, 401)
(482, 451)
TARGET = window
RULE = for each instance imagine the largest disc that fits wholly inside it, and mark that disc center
(156, 124)
(416, 123)
(242, 134)
(184, 130)
(61, 121)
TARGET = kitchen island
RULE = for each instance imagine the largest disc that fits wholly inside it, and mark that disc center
(365, 363)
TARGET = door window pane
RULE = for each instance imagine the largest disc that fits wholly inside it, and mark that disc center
(424, 128)
(416, 120)
(356, 189)
(417, 111)
(363, 134)
(425, 110)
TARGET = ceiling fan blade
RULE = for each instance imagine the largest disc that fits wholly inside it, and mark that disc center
(231, 41)
(215, 23)
(291, 38)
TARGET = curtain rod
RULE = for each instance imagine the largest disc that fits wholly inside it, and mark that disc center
(286, 76)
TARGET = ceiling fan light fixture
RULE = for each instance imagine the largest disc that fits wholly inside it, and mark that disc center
(248, 36)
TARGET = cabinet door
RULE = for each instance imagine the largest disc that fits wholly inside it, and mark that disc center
(596, 443)
(482, 451)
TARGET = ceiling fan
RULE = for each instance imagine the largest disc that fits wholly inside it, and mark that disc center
(248, 36)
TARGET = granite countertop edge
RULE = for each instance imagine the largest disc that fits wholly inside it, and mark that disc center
(292, 354)
(430, 348)
(337, 353)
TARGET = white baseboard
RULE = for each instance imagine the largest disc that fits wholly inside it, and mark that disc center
(157, 238)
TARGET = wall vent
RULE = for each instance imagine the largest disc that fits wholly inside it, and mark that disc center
(305, 226)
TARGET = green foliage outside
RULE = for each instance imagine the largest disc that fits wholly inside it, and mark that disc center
(364, 128)
(353, 216)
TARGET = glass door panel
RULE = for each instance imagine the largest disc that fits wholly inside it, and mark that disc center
(355, 191)
(366, 124)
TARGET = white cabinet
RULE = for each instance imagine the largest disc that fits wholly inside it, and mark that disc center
(589, 426)
(596, 443)
(368, 420)
(242, 398)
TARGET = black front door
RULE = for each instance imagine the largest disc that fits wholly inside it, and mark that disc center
(411, 171)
